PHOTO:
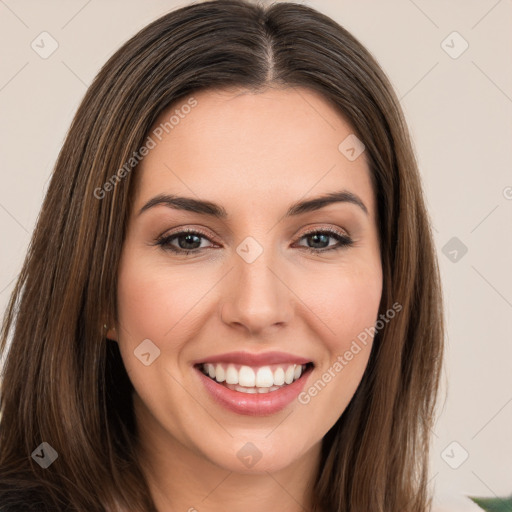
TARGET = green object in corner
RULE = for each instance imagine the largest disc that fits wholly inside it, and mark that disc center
(494, 504)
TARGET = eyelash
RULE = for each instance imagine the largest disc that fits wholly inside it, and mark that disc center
(343, 241)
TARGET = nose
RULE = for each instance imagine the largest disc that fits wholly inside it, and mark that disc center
(258, 298)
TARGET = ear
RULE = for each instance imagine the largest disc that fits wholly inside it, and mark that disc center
(112, 334)
(109, 333)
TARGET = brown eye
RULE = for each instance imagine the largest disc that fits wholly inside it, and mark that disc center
(187, 241)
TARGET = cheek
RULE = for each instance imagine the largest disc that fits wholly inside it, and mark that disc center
(152, 305)
(163, 304)
(151, 299)
(358, 300)
(345, 301)
(348, 312)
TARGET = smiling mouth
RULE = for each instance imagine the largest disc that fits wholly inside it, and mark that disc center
(252, 380)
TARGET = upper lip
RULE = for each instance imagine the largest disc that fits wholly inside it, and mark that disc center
(254, 359)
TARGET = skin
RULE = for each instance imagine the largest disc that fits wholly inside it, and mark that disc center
(254, 154)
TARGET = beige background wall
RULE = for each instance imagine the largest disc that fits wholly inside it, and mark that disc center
(460, 114)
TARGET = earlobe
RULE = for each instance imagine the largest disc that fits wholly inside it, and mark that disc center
(111, 333)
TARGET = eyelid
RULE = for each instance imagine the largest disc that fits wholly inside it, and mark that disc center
(316, 229)
(188, 229)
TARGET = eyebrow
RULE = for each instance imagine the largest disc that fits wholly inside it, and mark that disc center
(212, 209)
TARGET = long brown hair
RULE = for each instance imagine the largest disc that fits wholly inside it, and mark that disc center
(65, 384)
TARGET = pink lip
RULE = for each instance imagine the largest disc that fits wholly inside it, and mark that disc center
(251, 359)
(256, 404)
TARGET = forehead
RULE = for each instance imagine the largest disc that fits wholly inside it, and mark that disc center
(238, 147)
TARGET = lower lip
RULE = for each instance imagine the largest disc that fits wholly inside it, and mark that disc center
(254, 404)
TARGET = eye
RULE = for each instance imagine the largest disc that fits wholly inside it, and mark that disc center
(320, 237)
(188, 241)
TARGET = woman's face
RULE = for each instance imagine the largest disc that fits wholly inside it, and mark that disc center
(251, 298)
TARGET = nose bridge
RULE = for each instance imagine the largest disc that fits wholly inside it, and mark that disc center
(259, 297)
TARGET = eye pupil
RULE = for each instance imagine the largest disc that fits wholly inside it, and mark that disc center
(317, 236)
(188, 238)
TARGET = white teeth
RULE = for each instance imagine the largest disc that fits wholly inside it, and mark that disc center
(288, 376)
(261, 380)
(235, 387)
(220, 374)
(231, 375)
(264, 377)
(246, 377)
(279, 377)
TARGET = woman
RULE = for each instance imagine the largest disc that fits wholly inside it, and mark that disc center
(232, 296)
